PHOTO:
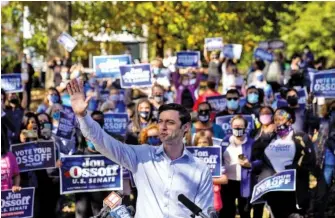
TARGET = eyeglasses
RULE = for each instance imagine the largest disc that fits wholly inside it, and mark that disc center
(235, 99)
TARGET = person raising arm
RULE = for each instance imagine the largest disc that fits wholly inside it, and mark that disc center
(160, 173)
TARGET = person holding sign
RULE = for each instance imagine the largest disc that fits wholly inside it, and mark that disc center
(214, 62)
(288, 149)
(253, 103)
(161, 173)
(238, 165)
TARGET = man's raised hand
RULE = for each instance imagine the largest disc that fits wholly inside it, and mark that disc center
(77, 97)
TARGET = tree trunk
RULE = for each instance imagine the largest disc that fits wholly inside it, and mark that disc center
(58, 22)
(159, 46)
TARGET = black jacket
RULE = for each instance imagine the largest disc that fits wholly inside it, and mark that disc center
(303, 162)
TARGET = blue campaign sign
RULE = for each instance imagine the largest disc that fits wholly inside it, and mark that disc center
(211, 156)
(136, 75)
(212, 44)
(218, 103)
(323, 84)
(224, 122)
(188, 59)
(282, 181)
(35, 155)
(108, 66)
(65, 126)
(89, 173)
(116, 123)
(11, 82)
(263, 55)
(232, 51)
(19, 204)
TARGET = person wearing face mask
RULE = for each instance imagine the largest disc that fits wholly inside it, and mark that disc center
(262, 137)
(157, 98)
(118, 99)
(233, 104)
(52, 97)
(269, 98)
(142, 118)
(288, 149)
(184, 89)
(14, 109)
(258, 67)
(238, 167)
(303, 115)
(149, 135)
(252, 105)
(204, 123)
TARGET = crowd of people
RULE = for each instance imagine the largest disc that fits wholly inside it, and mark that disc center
(286, 134)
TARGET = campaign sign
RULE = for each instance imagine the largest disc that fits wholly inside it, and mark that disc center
(302, 93)
(108, 66)
(18, 204)
(218, 103)
(89, 173)
(188, 59)
(212, 44)
(276, 44)
(11, 82)
(210, 155)
(67, 41)
(35, 155)
(135, 75)
(282, 181)
(232, 51)
(224, 122)
(263, 55)
(65, 126)
(116, 123)
(323, 84)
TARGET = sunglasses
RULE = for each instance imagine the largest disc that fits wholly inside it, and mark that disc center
(235, 99)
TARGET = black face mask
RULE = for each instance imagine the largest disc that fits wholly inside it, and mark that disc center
(101, 122)
(292, 100)
(203, 116)
(14, 101)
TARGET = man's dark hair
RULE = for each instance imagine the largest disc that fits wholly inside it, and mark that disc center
(97, 113)
(289, 110)
(211, 85)
(206, 103)
(184, 115)
(252, 87)
(233, 91)
(259, 64)
(292, 89)
(295, 55)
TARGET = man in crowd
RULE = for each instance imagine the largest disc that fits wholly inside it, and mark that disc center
(160, 173)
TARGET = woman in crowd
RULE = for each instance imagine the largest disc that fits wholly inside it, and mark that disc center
(157, 98)
(214, 63)
(52, 97)
(238, 165)
(204, 123)
(10, 175)
(288, 149)
(201, 139)
(142, 118)
(185, 90)
(149, 135)
(231, 78)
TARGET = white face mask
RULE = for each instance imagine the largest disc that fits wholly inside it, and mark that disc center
(158, 99)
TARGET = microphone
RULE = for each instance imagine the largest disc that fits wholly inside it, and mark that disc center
(191, 206)
(212, 212)
(110, 202)
(121, 212)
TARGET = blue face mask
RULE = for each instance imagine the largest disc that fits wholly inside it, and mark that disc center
(54, 98)
(232, 104)
(56, 116)
(114, 97)
(156, 70)
(253, 98)
(154, 140)
(260, 78)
